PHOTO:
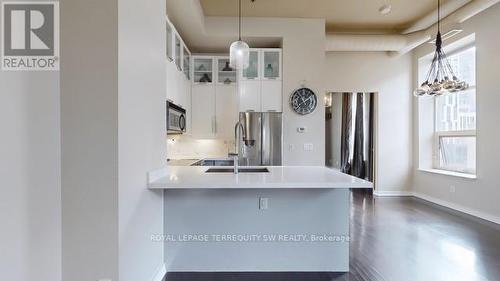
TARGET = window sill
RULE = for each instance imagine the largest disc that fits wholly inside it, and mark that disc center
(450, 173)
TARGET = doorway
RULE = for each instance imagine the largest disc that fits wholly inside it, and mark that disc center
(350, 133)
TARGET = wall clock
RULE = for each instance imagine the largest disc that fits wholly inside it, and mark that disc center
(303, 101)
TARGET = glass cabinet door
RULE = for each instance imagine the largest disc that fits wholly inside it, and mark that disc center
(178, 50)
(252, 72)
(202, 69)
(186, 58)
(170, 55)
(271, 64)
(225, 73)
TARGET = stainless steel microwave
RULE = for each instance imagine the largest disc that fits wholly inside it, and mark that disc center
(176, 119)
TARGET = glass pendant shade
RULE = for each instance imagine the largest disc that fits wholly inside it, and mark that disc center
(239, 55)
(239, 52)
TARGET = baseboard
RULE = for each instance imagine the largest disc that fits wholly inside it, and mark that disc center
(160, 273)
(459, 208)
(383, 193)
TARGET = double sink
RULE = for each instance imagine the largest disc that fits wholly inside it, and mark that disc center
(225, 166)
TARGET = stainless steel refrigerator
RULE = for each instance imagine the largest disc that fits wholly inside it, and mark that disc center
(262, 145)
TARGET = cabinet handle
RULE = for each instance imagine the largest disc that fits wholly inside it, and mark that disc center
(213, 125)
(272, 110)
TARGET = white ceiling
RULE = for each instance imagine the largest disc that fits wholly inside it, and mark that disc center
(340, 15)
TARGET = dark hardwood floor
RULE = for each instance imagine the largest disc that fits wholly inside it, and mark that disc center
(401, 239)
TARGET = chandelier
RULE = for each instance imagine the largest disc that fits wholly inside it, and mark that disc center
(441, 78)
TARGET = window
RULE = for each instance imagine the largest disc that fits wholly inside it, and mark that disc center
(455, 119)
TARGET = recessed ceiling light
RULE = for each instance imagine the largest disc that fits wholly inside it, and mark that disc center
(385, 9)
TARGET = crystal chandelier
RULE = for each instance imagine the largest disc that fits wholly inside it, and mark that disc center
(441, 78)
(239, 52)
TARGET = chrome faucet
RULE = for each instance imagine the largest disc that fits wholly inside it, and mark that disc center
(237, 128)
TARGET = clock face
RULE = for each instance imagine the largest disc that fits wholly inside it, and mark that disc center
(303, 101)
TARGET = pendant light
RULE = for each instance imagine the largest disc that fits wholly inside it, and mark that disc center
(239, 52)
(441, 78)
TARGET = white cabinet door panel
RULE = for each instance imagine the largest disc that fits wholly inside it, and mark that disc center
(272, 97)
(172, 82)
(203, 110)
(226, 108)
(250, 98)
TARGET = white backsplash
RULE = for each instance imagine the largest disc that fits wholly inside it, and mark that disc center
(187, 147)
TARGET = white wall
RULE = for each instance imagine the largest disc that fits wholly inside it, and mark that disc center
(30, 187)
(89, 118)
(391, 78)
(141, 134)
(113, 132)
(480, 196)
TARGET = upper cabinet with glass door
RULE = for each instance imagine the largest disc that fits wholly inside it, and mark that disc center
(203, 70)
(225, 73)
(264, 64)
(170, 44)
(252, 72)
(178, 52)
(271, 64)
(186, 63)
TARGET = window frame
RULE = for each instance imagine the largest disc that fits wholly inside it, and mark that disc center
(437, 135)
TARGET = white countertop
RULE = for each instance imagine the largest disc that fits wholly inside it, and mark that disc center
(182, 162)
(194, 177)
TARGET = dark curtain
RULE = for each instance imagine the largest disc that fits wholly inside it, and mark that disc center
(358, 161)
(361, 140)
(346, 133)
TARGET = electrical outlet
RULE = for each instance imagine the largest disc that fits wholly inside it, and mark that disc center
(291, 147)
(308, 147)
(263, 203)
(452, 189)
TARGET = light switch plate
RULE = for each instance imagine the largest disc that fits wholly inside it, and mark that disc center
(301, 130)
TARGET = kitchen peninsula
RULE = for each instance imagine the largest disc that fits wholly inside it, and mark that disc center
(290, 218)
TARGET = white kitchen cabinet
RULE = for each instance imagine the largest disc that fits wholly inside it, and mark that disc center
(173, 83)
(203, 70)
(225, 73)
(178, 70)
(252, 72)
(178, 51)
(272, 96)
(170, 43)
(214, 100)
(186, 63)
(187, 106)
(260, 85)
(250, 96)
(271, 64)
(226, 108)
(203, 110)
